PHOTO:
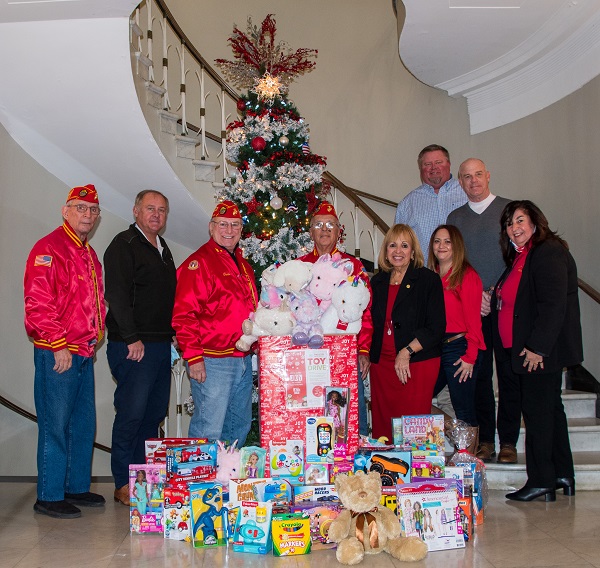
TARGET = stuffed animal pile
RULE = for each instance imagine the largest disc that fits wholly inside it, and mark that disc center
(306, 301)
(364, 527)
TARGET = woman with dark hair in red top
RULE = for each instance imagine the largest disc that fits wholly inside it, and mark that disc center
(536, 308)
(464, 338)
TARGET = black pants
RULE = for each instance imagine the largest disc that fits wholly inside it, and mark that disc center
(547, 447)
(509, 404)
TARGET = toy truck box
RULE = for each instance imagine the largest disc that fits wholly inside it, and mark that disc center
(156, 448)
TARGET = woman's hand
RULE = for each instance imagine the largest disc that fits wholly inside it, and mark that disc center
(464, 371)
(532, 360)
(402, 365)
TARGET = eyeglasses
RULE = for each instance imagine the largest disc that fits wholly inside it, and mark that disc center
(236, 225)
(328, 225)
(81, 208)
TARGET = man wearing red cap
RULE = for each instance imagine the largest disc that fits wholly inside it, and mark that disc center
(64, 315)
(216, 292)
(325, 232)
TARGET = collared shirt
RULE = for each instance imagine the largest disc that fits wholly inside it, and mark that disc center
(424, 210)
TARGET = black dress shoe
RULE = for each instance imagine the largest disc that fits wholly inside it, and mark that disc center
(57, 509)
(531, 493)
(86, 499)
(567, 484)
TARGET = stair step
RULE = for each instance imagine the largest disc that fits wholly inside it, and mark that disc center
(579, 404)
(186, 147)
(205, 170)
(508, 477)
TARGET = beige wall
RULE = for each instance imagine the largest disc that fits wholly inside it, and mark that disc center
(370, 117)
(29, 209)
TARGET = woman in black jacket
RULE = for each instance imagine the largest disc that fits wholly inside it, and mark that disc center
(409, 322)
(537, 313)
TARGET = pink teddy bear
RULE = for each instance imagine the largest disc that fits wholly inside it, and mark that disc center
(327, 273)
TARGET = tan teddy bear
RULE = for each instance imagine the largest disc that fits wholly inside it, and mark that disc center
(364, 527)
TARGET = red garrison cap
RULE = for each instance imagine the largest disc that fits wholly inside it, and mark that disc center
(325, 208)
(83, 193)
(227, 209)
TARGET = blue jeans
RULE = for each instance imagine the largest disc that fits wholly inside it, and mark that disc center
(462, 394)
(223, 403)
(141, 402)
(66, 411)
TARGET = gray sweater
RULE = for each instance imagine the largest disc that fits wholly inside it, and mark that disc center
(482, 238)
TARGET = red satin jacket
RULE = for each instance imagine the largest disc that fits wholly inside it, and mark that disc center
(64, 294)
(212, 299)
(366, 331)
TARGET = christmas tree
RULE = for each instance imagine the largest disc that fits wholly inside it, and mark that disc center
(278, 183)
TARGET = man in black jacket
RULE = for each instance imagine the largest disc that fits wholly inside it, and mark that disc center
(140, 290)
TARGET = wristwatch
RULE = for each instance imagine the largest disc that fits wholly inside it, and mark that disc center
(410, 350)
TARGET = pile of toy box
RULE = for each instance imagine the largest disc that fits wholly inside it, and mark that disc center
(283, 498)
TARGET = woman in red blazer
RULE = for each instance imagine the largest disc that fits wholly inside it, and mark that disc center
(537, 314)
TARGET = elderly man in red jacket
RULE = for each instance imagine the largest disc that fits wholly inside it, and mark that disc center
(216, 292)
(64, 315)
(325, 232)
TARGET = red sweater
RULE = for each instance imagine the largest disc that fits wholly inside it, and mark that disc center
(463, 311)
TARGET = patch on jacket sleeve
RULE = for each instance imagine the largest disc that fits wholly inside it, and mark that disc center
(43, 260)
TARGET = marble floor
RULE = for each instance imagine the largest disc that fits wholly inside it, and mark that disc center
(514, 535)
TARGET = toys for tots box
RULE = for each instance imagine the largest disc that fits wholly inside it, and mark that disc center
(293, 381)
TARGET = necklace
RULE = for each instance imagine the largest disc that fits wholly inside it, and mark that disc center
(395, 280)
(389, 327)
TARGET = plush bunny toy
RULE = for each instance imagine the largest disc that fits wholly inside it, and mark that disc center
(228, 463)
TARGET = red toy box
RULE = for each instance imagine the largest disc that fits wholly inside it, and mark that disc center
(292, 383)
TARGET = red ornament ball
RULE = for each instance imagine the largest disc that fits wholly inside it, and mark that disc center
(241, 105)
(258, 143)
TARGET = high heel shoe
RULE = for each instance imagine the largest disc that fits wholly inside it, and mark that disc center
(531, 493)
(567, 484)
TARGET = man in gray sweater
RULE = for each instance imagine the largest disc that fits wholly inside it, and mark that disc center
(479, 222)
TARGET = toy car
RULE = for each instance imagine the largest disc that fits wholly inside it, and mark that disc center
(390, 469)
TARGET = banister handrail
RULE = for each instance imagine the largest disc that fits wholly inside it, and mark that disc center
(190, 46)
(357, 201)
(26, 414)
(589, 290)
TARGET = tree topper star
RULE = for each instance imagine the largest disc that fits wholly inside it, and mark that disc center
(268, 87)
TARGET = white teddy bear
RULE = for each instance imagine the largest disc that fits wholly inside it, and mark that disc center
(265, 321)
(293, 275)
(348, 302)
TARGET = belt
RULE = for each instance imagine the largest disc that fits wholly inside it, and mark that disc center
(454, 337)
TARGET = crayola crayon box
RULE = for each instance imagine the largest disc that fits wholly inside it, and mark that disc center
(291, 534)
